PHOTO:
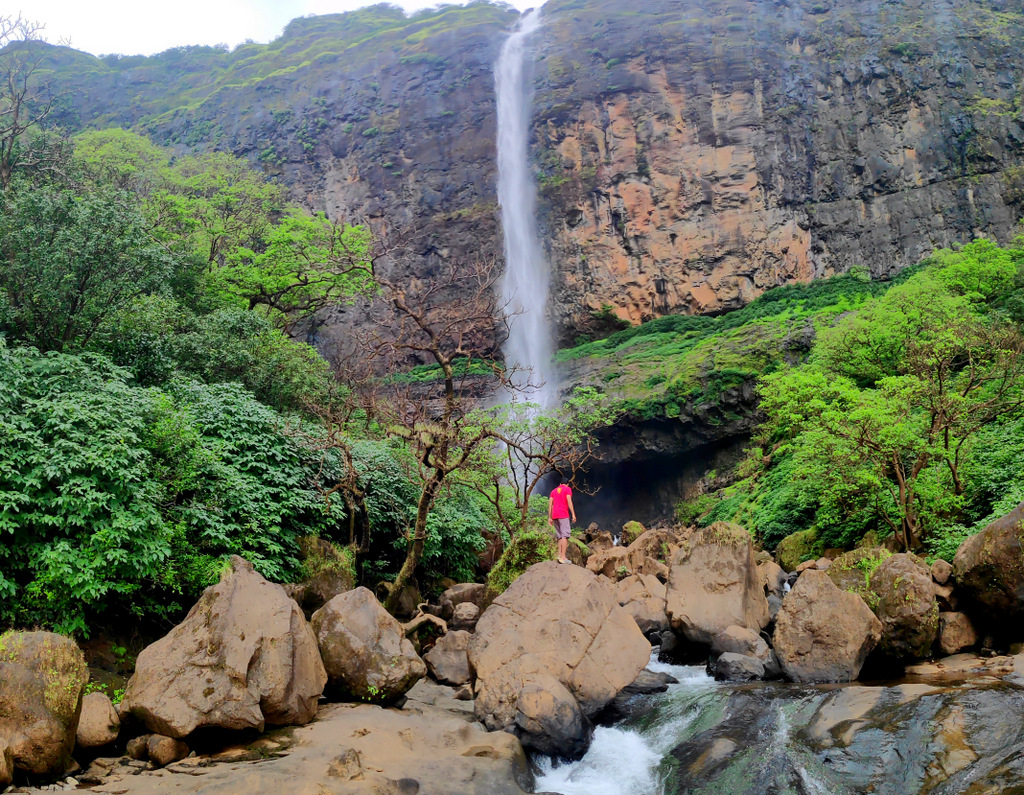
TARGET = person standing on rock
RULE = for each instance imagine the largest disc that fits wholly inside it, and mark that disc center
(561, 509)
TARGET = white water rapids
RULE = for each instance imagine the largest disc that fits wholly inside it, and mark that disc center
(524, 286)
(625, 761)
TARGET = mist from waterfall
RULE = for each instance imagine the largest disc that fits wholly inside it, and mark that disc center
(524, 286)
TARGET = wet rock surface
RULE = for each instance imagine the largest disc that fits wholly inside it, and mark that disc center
(989, 569)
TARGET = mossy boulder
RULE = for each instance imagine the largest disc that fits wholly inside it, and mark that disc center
(42, 678)
(794, 549)
(989, 569)
(328, 569)
(852, 570)
(631, 531)
(902, 595)
(529, 546)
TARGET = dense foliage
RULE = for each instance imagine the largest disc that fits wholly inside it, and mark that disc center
(154, 417)
(905, 418)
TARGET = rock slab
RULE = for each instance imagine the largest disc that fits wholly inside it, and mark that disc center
(242, 658)
(824, 634)
(42, 677)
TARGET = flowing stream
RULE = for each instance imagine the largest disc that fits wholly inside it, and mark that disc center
(759, 738)
(524, 286)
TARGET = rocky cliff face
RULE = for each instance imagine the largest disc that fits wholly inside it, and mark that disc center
(696, 154)
(690, 153)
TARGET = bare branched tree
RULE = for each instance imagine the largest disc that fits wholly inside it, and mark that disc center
(26, 96)
(440, 422)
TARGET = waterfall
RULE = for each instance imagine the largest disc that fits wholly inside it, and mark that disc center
(524, 286)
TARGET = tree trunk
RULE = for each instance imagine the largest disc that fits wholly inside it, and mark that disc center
(419, 538)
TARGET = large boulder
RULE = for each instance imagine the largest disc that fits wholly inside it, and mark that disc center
(733, 667)
(42, 677)
(448, 660)
(796, 548)
(365, 652)
(99, 724)
(643, 597)
(242, 658)
(989, 569)
(904, 601)
(615, 563)
(465, 617)
(560, 622)
(549, 720)
(714, 583)
(824, 634)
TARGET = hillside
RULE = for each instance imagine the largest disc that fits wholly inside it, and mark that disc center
(690, 156)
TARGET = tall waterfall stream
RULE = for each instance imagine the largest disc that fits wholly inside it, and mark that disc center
(524, 287)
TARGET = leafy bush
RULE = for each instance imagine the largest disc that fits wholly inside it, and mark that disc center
(114, 495)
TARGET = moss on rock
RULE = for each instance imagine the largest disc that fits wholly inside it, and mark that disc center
(631, 531)
(531, 545)
(795, 548)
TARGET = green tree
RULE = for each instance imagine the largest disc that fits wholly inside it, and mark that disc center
(882, 416)
(304, 264)
(68, 262)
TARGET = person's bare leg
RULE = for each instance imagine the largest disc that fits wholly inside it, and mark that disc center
(563, 546)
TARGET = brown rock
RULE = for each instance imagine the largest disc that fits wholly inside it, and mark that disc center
(807, 565)
(614, 563)
(773, 578)
(956, 633)
(138, 747)
(465, 616)
(714, 583)
(600, 541)
(631, 531)
(822, 564)
(448, 661)
(823, 634)
(558, 621)
(463, 593)
(6, 763)
(242, 658)
(946, 598)
(657, 544)
(42, 676)
(549, 720)
(905, 604)
(989, 567)
(165, 750)
(330, 572)
(942, 571)
(740, 640)
(643, 597)
(366, 655)
(732, 667)
(99, 724)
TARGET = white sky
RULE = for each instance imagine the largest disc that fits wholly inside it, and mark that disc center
(131, 27)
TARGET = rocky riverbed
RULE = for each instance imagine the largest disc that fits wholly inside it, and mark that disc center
(576, 678)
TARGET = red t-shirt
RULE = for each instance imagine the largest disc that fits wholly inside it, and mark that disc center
(560, 502)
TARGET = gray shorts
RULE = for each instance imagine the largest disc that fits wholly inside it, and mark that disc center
(562, 528)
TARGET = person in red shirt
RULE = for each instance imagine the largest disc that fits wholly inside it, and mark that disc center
(561, 509)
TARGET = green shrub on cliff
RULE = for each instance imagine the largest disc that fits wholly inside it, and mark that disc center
(530, 545)
(906, 419)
